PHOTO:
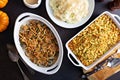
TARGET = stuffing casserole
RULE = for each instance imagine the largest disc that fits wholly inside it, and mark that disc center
(39, 43)
(95, 40)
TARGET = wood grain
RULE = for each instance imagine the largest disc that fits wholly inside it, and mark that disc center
(107, 71)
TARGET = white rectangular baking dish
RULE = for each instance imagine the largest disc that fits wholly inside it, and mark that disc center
(76, 62)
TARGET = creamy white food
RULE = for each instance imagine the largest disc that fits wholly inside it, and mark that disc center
(70, 11)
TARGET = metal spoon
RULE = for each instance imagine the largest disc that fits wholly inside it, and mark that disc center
(15, 57)
(14, 51)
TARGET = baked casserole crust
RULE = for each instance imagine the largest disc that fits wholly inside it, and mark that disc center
(94, 41)
(39, 43)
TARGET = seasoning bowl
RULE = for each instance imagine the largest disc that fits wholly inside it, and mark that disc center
(23, 19)
(32, 3)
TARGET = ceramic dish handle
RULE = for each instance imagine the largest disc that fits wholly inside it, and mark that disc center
(116, 17)
(52, 70)
(73, 59)
(22, 16)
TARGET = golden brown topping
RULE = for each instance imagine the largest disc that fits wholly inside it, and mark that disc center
(95, 40)
(39, 43)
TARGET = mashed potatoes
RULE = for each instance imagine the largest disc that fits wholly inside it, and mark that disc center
(70, 11)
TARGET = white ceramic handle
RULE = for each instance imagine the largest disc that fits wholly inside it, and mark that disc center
(117, 18)
(56, 67)
(52, 70)
(75, 63)
(24, 15)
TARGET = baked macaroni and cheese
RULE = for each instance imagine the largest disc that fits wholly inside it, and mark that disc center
(70, 11)
(39, 43)
(95, 40)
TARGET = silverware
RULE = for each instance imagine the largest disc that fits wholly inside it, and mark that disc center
(113, 62)
(14, 50)
(110, 62)
(15, 57)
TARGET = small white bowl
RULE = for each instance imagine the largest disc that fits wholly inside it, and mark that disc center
(68, 25)
(32, 5)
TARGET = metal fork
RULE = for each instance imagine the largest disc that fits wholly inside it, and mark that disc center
(113, 62)
(110, 62)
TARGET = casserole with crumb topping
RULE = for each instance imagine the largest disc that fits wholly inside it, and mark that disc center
(95, 40)
(39, 43)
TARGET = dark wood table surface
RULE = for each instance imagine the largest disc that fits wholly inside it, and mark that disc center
(10, 71)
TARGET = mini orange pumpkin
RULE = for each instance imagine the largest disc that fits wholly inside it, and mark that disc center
(3, 3)
(4, 21)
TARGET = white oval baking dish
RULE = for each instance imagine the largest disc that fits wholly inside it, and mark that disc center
(77, 62)
(23, 19)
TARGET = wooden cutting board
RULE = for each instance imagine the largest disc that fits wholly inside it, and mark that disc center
(107, 71)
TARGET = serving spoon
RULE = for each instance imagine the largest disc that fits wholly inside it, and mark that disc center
(15, 57)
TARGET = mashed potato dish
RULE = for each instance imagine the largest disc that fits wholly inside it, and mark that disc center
(70, 11)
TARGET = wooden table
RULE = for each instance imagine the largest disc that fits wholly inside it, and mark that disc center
(10, 71)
